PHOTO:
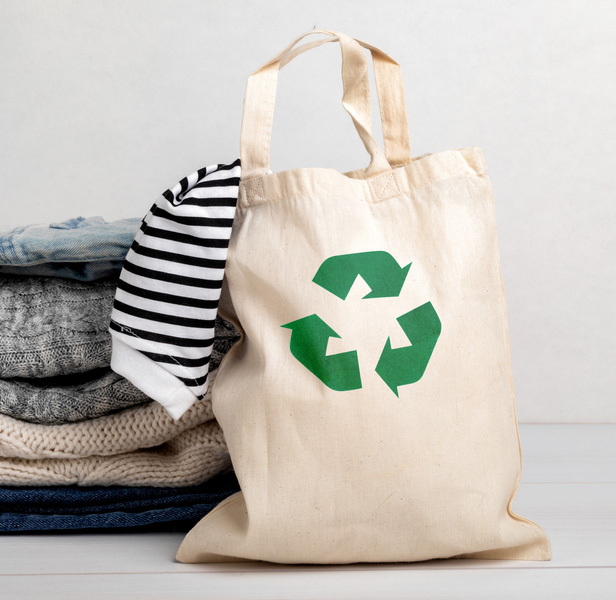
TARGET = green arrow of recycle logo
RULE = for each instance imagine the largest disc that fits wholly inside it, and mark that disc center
(396, 366)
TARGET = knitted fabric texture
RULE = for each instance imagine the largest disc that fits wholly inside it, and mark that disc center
(190, 458)
(132, 429)
(51, 326)
(226, 336)
(68, 398)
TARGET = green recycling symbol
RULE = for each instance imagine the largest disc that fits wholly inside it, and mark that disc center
(396, 366)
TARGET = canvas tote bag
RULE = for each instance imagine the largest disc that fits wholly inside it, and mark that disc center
(368, 408)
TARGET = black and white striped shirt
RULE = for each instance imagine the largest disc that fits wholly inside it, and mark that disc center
(162, 322)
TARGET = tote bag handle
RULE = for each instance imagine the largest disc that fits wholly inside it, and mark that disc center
(390, 94)
(261, 95)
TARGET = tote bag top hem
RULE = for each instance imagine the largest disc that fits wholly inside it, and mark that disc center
(421, 171)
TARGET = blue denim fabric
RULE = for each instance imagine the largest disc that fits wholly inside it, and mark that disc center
(80, 248)
(72, 507)
(181, 518)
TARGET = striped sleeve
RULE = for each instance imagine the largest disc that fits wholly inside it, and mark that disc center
(164, 312)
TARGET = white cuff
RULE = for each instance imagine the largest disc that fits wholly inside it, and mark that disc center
(151, 378)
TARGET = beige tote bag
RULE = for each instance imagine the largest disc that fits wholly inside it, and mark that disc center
(368, 408)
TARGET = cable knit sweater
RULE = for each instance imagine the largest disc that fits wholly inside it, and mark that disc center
(137, 446)
(189, 459)
(132, 429)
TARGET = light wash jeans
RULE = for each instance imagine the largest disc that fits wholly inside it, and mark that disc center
(80, 248)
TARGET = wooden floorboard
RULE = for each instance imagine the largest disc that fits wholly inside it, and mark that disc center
(568, 487)
(491, 584)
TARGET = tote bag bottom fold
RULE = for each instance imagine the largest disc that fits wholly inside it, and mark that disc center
(224, 535)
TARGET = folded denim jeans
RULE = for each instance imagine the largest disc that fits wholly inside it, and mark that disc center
(79, 248)
(73, 507)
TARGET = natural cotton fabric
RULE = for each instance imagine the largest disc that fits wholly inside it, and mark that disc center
(365, 475)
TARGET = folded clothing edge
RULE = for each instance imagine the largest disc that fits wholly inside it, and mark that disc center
(154, 381)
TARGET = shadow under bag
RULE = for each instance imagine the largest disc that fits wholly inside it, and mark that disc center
(368, 408)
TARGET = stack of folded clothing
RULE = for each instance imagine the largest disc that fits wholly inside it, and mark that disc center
(80, 446)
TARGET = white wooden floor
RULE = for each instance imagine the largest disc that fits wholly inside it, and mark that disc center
(568, 487)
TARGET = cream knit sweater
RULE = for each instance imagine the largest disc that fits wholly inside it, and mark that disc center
(137, 446)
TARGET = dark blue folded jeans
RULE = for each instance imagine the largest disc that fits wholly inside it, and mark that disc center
(72, 507)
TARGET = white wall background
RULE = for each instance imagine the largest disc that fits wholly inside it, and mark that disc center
(105, 104)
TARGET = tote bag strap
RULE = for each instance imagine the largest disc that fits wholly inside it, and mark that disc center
(261, 94)
(390, 94)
